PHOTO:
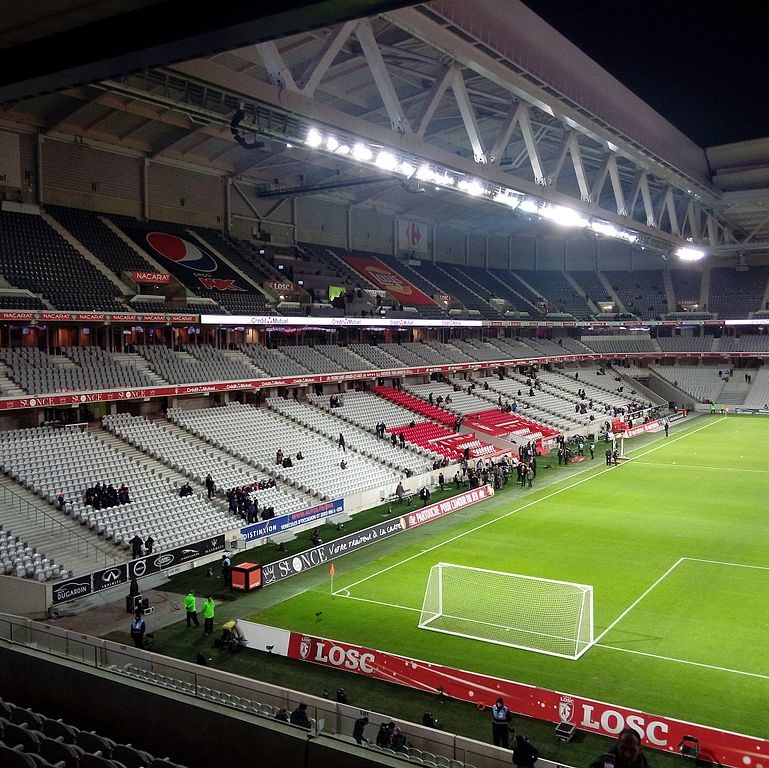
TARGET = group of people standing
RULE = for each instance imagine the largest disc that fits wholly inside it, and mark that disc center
(103, 495)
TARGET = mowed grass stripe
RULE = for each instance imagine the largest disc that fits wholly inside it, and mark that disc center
(619, 532)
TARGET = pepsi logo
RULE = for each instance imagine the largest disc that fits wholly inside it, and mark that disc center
(182, 252)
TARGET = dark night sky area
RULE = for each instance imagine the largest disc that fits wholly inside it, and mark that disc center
(702, 66)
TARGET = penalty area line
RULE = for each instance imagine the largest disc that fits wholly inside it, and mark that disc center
(683, 661)
(513, 511)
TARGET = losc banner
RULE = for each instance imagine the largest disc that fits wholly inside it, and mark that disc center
(286, 522)
(387, 279)
(716, 746)
(310, 558)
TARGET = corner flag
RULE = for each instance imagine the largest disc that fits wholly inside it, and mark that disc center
(331, 570)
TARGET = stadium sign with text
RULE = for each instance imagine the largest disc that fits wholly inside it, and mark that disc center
(325, 553)
(283, 523)
(657, 731)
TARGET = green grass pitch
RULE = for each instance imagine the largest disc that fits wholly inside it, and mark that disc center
(674, 543)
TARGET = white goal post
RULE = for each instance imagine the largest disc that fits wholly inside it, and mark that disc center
(542, 615)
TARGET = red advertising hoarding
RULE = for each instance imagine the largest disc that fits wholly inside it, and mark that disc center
(387, 279)
(717, 746)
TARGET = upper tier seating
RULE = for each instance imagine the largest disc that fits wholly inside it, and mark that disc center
(418, 280)
(197, 364)
(450, 278)
(620, 344)
(496, 285)
(686, 343)
(80, 369)
(100, 240)
(686, 286)
(20, 302)
(642, 292)
(195, 461)
(50, 461)
(35, 257)
(590, 282)
(311, 359)
(254, 435)
(558, 291)
(736, 294)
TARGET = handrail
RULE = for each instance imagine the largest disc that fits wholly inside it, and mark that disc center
(41, 517)
(241, 694)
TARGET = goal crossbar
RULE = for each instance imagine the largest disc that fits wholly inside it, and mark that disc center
(519, 611)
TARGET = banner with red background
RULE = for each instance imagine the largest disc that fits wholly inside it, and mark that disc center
(717, 746)
(387, 279)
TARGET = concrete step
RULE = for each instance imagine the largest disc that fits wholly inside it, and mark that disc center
(61, 538)
(138, 362)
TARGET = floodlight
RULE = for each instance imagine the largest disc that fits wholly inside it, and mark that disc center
(314, 138)
(362, 153)
(687, 253)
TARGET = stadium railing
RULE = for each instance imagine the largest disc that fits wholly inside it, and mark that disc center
(259, 699)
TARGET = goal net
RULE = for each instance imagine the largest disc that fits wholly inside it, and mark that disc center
(553, 617)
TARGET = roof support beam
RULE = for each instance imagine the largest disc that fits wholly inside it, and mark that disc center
(505, 134)
(524, 120)
(579, 167)
(384, 84)
(279, 73)
(312, 76)
(433, 99)
(468, 117)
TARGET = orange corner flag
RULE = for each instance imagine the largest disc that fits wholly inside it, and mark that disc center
(331, 569)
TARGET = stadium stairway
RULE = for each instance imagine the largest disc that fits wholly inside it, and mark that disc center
(66, 541)
(735, 390)
(8, 387)
(138, 362)
(177, 478)
(232, 460)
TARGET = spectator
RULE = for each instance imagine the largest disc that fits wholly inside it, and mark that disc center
(136, 546)
(424, 494)
(282, 714)
(149, 543)
(123, 495)
(400, 491)
(299, 716)
(138, 628)
(384, 735)
(342, 464)
(525, 754)
(441, 481)
(358, 728)
(342, 443)
(185, 490)
(626, 752)
(210, 486)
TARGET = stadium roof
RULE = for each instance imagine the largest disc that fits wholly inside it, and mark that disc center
(498, 99)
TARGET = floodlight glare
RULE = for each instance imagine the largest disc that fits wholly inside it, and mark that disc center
(362, 153)
(314, 138)
(331, 143)
(686, 253)
(343, 149)
(386, 161)
(407, 169)
(424, 173)
(604, 228)
(529, 205)
(473, 188)
(565, 217)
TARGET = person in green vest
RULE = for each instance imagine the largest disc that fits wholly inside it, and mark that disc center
(190, 605)
(209, 608)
